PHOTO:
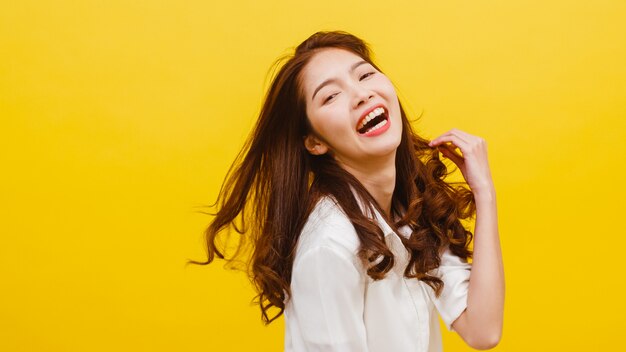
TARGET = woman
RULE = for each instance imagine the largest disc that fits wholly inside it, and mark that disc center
(351, 230)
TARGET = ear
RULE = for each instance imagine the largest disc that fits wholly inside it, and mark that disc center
(314, 145)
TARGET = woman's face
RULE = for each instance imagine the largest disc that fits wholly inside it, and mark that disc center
(352, 107)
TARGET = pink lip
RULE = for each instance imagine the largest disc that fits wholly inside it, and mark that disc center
(380, 130)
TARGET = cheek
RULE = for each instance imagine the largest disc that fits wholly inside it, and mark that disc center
(389, 88)
(316, 120)
(329, 123)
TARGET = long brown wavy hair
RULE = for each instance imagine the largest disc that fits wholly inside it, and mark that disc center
(274, 184)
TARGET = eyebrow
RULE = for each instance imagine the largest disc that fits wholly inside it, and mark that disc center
(331, 80)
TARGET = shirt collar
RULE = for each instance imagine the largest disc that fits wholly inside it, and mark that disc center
(380, 220)
(382, 223)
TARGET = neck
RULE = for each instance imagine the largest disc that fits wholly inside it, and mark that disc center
(378, 177)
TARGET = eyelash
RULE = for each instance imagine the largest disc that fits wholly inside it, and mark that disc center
(329, 97)
(367, 75)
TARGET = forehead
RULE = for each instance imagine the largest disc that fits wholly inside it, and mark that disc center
(327, 63)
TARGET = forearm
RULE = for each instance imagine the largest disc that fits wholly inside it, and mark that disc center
(480, 325)
(485, 303)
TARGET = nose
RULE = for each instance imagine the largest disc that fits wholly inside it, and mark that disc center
(361, 95)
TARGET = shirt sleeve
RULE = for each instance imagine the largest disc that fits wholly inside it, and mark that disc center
(327, 292)
(455, 274)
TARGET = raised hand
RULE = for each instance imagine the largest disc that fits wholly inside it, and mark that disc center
(473, 161)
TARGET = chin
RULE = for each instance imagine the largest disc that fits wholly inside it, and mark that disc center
(390, 141)
(385, 148)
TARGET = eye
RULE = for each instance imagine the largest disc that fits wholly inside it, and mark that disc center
(366, 75)
(329, 98)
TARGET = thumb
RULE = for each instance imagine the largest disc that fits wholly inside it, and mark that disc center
(456, 158)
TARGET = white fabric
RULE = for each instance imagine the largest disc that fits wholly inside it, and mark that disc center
(336, 306)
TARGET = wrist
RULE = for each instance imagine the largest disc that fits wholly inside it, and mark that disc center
(485, 194)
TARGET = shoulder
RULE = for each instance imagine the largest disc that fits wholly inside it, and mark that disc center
(328, 228)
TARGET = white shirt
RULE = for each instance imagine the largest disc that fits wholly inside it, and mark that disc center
(336, 306)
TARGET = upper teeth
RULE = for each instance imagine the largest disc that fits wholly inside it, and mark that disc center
(370, 116)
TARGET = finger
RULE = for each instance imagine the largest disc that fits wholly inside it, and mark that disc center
(450, 148)
(452, 139)
(449, 153)
(460, 134)
(463, 135)
(474, 142)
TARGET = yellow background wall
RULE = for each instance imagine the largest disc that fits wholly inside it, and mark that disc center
(119, 118)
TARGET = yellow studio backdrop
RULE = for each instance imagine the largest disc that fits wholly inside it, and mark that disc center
(120, 118)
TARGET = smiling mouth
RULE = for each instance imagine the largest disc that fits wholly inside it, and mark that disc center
(375, 120)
